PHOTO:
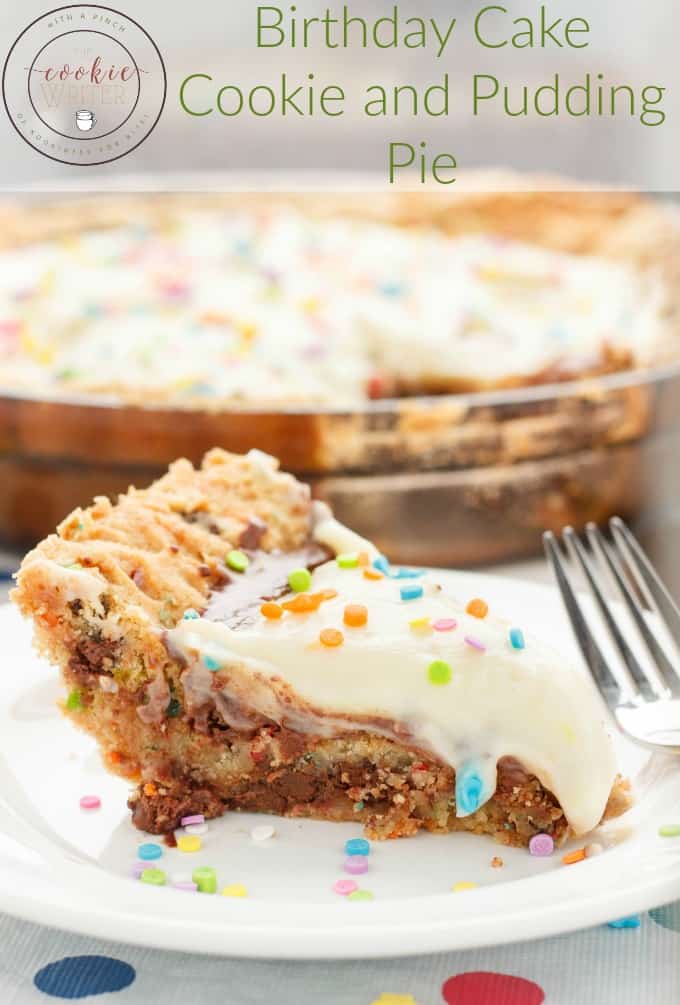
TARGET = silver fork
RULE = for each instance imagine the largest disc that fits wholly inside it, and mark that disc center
(642, 695)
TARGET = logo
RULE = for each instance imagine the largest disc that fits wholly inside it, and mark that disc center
(84, 84)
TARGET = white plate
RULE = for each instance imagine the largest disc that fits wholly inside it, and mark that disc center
(62, 866)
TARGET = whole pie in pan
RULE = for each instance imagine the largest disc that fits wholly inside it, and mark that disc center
(231, 646)
(272, 302)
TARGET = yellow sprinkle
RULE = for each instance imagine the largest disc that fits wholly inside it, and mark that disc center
(420, 625)
(568, 732)
(460, 887)
(310, 305)
(189, 842)
(235, 890)
(389, 998)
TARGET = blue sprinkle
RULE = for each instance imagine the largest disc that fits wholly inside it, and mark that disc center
(470, 792)
(632, 921)
(243, 247)
(407, 573)
(92, 311)
(357, 846)
(411, 592)
(211, 664)
(190, 614)
(516, 637)
(81, 976)
(381, 564)
(392, 288)
(149, 852)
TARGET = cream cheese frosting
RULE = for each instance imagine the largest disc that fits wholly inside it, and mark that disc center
(274, 307)
(498, 700)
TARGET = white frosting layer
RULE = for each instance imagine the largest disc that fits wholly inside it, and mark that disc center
(272, 306)
(524, 703)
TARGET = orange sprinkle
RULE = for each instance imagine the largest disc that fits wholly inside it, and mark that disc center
(303, 603)
(331, 637)
(355, 615)
(574, 856)
(114, 757)
(363, 558)
(271, 611)
(372, 574)
(150, 789)
(477, 608)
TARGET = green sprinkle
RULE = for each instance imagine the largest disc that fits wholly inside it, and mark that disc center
(300, 580)
(237, 561)
(74, 702)
(359, 806)
(154, 876)
(361, 895)
(669, 831)
(190, 614)
(205, 879)
(349, 560)
(439, 672)
(72, 565)
(174, 709)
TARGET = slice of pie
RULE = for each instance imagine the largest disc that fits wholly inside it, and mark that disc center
(233, 647)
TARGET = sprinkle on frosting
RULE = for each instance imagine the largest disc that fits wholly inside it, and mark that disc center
(472, 790)
(355, 615)
(444, 624)
(331, 638)
(302, 603)
(348, 560)
(411, 592)
(516, 638)
(300, 580)
(439, 672)
(271, 611)
(237, 560)
(477, 608)
(475, 643)
(423, 625)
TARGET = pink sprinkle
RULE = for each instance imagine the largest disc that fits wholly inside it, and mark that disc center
(345, 886)
(138, 868)
(185, 885)
(541, 845)
(475, 643)
(196, 818)
(356, 864)
(90, 802)
(444, 624)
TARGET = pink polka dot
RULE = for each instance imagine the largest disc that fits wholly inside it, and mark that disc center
(482, 988)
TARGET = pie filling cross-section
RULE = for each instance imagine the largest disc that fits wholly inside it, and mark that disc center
(231, 646)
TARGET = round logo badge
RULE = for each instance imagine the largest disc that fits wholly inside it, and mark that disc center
(84, 84)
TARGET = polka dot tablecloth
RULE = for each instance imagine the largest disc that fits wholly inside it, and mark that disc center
(602, 966)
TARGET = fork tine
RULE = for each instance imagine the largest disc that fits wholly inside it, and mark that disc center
(605, 681)
(664, 666)
(640, 564)
(636, 678)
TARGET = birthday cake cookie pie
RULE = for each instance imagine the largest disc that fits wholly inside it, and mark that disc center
(231, 646)
(266, 304)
